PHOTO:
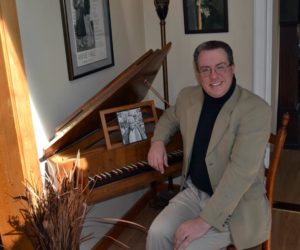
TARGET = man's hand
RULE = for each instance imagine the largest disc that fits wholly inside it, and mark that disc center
(188, 231)
(157, 156)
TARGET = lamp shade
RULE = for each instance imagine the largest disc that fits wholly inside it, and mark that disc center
(162, 7)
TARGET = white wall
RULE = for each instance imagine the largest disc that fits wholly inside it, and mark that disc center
(53, 95)
(180, 56)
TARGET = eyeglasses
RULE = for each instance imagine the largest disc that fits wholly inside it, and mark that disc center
(219, 69)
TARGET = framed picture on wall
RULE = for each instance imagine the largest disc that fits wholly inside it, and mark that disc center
(205, 16)
(87, 33)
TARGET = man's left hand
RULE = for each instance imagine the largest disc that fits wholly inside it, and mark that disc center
(188, 231)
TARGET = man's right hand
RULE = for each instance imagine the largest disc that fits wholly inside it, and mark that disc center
(157, 156)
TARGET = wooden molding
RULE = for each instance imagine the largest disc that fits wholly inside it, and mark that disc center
(18, 153)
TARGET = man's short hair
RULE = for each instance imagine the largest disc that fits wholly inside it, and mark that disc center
(210, 45)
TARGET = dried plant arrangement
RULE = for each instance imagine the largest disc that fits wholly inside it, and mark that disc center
(54, 217)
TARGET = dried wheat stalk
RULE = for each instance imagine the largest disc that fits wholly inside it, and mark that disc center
(54, 217)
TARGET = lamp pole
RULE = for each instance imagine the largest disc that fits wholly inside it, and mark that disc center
(162, 7)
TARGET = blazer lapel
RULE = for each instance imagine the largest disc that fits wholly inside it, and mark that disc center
(192, 117)
(223, 119)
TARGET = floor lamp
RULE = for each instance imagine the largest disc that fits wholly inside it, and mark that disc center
(162, 7)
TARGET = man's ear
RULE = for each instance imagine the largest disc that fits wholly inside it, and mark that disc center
(233, 68)
(197, 74)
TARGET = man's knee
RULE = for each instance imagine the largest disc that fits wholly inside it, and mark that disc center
(160, 230)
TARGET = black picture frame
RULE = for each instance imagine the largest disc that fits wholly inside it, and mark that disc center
(214, 16)
(87, 35)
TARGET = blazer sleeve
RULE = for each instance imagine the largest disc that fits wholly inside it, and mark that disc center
(168, 123)
(244, 164)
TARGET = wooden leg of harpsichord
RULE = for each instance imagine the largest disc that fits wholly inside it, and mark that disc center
(164, 193)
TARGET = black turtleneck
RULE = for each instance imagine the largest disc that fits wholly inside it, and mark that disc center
(210, 110)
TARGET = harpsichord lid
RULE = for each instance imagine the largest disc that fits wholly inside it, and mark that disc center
(128, 87)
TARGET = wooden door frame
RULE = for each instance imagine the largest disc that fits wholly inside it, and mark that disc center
(18, 152)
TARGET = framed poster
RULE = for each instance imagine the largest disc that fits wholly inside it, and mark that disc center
(132, 125)
(205, 16)
(87, 33)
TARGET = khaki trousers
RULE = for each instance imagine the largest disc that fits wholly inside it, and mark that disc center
(184, 206)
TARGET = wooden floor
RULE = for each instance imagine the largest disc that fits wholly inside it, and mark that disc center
(285, 230)
(136, 239)
(286, 225)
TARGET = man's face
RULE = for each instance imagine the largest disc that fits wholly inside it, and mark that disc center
(214, 72)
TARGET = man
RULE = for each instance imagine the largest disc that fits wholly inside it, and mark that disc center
(225, 129)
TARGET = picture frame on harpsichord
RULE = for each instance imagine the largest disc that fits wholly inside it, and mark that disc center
(111, 166)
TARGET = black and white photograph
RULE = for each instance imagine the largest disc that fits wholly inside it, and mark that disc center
(131, 125)
(205, 16)
(87, 33)
(84, 25)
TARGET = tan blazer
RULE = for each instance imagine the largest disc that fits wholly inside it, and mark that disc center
(234, 160)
